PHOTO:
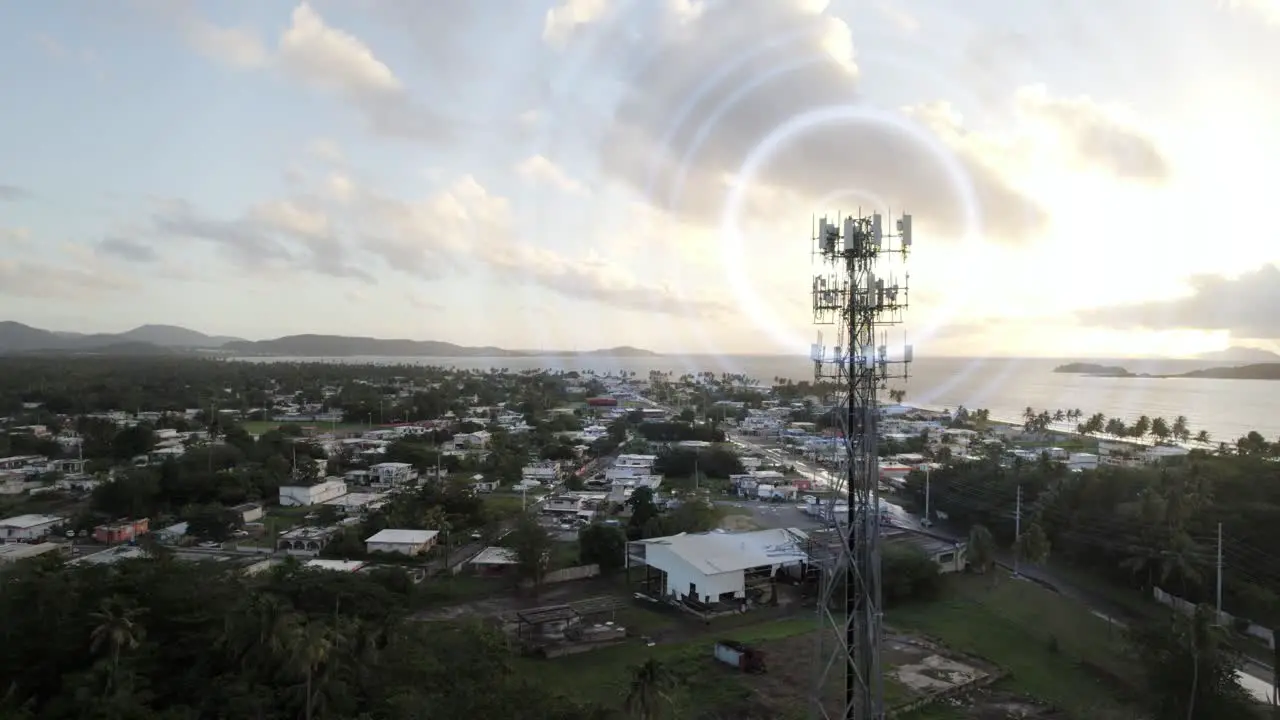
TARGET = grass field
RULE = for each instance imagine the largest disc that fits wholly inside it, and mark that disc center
(1055, 649)
(603, 676)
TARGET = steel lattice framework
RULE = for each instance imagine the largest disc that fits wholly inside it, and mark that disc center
(849, 295)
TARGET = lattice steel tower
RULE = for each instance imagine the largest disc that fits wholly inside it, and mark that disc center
(848, 294)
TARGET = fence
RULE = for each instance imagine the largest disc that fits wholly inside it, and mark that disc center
(578, 572)
(1266, 635)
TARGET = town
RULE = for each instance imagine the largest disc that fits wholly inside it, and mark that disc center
(604, 529)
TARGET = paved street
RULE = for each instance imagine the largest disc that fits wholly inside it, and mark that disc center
(770, 515)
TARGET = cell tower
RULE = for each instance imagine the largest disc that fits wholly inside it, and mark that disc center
(848, 294)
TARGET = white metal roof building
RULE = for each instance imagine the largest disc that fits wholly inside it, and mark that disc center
(405, 542)
(713, 567)
(27, 527)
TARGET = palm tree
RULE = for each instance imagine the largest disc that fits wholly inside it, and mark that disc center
(116, 631)
(981, 551)
(312, 643)
(1160, 429)
(649, 691)
(1202, 437)
(1180, 430)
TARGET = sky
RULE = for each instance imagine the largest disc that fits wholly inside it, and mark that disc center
(1084, 179)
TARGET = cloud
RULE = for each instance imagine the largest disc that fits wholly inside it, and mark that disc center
(714, 91)
(336, 61)
(1244, 306)
(1267, 11)
(13, 193)
(314, 54)
(127, 249)
(273, 237)
(439, 235)
(563, 20)
(1096, 136)
(19, 278)
(539, 169)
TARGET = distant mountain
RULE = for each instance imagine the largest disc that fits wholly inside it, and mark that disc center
(16, 338)
(1258, 371)
(174, 337)
(622, 351)
(343, 346)
(1241, 354)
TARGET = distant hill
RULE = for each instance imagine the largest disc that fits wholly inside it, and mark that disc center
(622, 351)
(344, 346)
(174, 337)
(1241, 354)
(1257, 371)
(17, 338)
(1092, 369)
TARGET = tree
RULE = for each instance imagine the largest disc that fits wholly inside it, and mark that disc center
(981, 551)
(116, 631)
(648, 695)
(603, 545)
(1033, 545)
(643, 509)
(532, 545)
(1191, 673)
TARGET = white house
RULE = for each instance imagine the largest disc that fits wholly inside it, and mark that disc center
(545, 473)
(472, 441)
(405, 542)
(715, 567)
(321, 492)
(1082, 461)
(392, 473)
(27, 527)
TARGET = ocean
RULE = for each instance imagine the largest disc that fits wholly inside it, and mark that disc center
(1226, 409)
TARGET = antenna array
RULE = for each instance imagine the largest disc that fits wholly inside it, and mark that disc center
(848, 294)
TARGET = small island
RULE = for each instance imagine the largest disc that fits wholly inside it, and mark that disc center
(1257, 371)
(1093, 369)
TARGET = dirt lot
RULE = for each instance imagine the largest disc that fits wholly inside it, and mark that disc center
(914, 668)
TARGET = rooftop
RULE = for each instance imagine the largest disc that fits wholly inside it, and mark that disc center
(29, 521)
(713, 553)
(334, 565)
(403, 537)
(495, 556)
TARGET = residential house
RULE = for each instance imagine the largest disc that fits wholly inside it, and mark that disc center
(544, 473)
(390, 474)
(14, 552)
(248, 512)
(121, 531)
(321, 492)
(335, 565)
(949, 555)
(478, 440)
(28, 527)
(404, 542)
(306, 540)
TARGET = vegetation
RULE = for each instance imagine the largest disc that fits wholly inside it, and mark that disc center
(1136, 527)
(147, 639)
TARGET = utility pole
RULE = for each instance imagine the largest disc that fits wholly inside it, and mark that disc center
(1219, 573)
(1017, 532)
(927, 518)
